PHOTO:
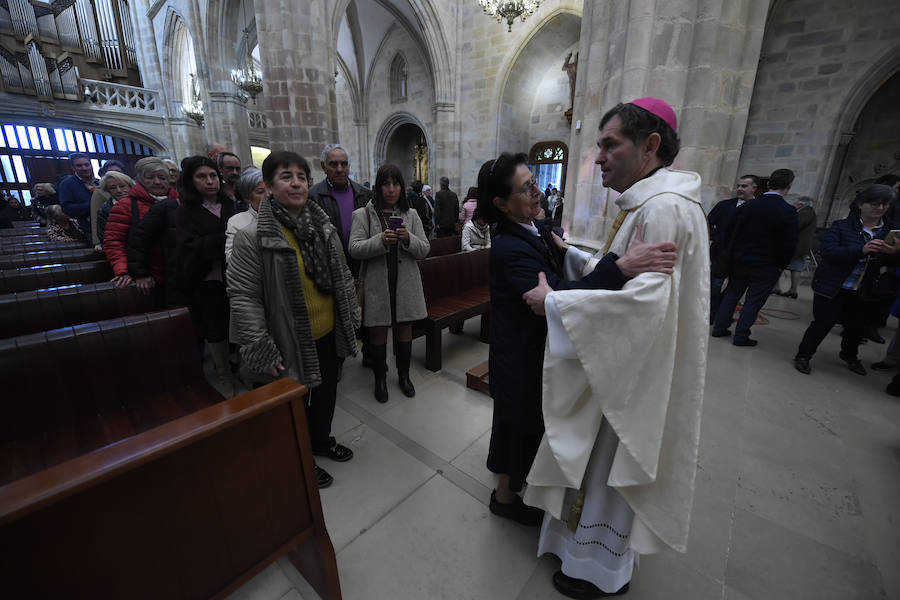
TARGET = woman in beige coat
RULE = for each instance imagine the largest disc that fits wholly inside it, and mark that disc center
(387, 236)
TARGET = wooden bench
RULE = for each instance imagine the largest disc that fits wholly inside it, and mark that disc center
(41, 310)
(47, 276)
(456, 288)
(445, 245)
(123, 474)
(49, 257)
(19, 248)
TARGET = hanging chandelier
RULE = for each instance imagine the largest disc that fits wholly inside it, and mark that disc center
(509, 10)
(248, 78)
(194, 108)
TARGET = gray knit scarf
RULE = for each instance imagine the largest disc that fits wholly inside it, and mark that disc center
(308, 229)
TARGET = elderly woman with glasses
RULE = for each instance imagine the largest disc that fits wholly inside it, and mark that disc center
(854, 252)
(293, 298)
(152, 185)
(114, 186)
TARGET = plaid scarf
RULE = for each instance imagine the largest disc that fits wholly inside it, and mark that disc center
(308, 229)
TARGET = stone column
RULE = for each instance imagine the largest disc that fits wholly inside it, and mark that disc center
(363, 165)
(444, 155)
(150, 65)
(700, 56)
(226, 122)
(295, 43)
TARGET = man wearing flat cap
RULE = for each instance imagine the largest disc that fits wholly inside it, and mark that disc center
(624, 371)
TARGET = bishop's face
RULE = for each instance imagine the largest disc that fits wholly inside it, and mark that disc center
(619, 158)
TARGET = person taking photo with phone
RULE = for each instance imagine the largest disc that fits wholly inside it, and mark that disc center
(387, 237)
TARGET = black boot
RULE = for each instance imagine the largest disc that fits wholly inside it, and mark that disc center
(403, 354)
(378, 356)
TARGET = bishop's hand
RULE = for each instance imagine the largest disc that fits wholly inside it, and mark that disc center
(642, 257)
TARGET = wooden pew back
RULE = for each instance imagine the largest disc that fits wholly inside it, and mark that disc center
(47, 276)
(445, 245)
(49, 257)
(41, 310)
(20, 248)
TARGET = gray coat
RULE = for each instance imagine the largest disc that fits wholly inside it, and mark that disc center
(262, 271)
(366, 246)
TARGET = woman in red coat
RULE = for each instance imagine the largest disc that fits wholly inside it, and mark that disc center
(152, 185)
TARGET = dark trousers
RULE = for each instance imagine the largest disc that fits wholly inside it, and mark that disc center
(847, 308)
(758, 283)
(320, 400)
(715, 297)
(209, 311)
(441, 232)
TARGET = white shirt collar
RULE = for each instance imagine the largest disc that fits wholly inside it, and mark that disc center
(531, 227)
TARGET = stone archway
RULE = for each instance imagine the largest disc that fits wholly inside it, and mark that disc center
(406, 147)
(872, 150)
(536, 93)
(396, 140)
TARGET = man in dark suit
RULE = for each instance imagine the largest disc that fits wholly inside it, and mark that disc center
(765, 235)
(719, 218)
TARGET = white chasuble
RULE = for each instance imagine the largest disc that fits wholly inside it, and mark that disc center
(636, 357)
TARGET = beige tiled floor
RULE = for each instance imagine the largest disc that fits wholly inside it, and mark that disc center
(798, 489)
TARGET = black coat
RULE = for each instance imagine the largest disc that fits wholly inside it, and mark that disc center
(766, 233)
(517, 334)
(157, 228)
(719, 219)
(200, 241)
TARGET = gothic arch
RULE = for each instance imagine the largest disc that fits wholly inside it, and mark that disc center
(435, 45)
(387, 129)
(862, 90)
(178, 44)
(512, 59)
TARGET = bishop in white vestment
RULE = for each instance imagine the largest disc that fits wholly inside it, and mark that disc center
(624, 374)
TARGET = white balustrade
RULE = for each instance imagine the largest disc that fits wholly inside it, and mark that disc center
(121, 98)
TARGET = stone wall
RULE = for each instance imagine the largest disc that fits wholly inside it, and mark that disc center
(551, 101)
(821, 62)
(487, 57)
(419, 103)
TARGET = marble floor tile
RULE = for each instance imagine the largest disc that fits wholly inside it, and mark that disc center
(445, 417)
(439, 543)
(800, 483)
(379, 477)
(472, 461)
(771, 562)
(342, 423)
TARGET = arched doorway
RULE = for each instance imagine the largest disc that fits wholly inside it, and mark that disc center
(872, 151)
(407, 148)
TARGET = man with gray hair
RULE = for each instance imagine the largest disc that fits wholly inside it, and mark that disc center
(339, 195)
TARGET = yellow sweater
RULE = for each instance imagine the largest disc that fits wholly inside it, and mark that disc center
(319, 306)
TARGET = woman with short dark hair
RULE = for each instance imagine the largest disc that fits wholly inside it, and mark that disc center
(200, 242)
(293, 298)
(387, 237)
(853, 251)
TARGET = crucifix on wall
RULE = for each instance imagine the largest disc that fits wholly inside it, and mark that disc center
(571, 69)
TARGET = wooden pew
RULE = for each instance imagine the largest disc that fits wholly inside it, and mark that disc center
(445, 245)
(456, 288)
(125, 475)
(48, 257)
(19, 248)
(41, 310)
(47, 276)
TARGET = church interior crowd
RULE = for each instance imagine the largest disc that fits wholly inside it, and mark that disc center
(287, 277)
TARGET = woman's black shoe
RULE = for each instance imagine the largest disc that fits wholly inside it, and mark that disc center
(323, 479)
(581, 589)
(403, 353)
(518, 511)
(378, 356)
